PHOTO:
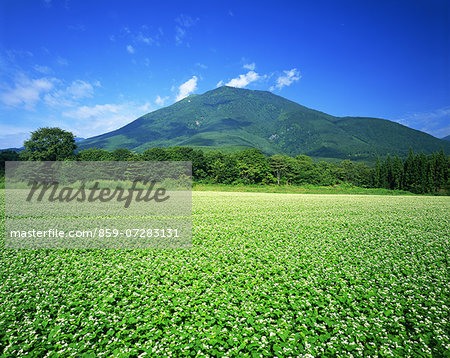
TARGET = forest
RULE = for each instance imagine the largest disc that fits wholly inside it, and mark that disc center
(418, 173)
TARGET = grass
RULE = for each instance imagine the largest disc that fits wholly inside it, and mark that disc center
(269, 275)
(294, 189)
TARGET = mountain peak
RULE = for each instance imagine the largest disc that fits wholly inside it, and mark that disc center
(230, 118)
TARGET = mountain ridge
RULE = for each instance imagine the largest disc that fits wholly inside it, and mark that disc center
(229, 118)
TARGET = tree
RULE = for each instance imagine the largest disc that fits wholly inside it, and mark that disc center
(362, 175)
(422, 164)
(253, 167)
(442, 169)
(303, 170)
(155, 154)
(121, 155)
(377, 174)
(222, 168)
(346, 171)
(409, 171)
(49, 144)
(8, 155)
(94, 155)
(188, 154)
(278, 164)
(324, 174)
(386, 173)
(397, 173)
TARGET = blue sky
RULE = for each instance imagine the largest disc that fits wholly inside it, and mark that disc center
(93, 66)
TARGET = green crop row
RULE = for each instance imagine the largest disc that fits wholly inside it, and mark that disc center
(269, 275)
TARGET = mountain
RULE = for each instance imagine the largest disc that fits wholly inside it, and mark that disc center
(17, 150)
(77, 140)
(446, 138)
(230, 118)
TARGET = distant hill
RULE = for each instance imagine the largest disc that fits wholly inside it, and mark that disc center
(229, 118)
(17, 150)
(446, 138)
(77, 140)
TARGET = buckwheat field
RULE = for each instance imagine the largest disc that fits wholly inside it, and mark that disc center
(269, 275)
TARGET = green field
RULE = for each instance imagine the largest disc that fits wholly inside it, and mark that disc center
(298, 189)
(270, 275)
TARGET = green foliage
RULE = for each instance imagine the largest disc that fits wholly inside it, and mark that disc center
(269, 275)
(222, 168)
(235, 119)
(419, 173)
(346, 189)
(93, 155)
(122, 154)
(187, 154)
(155, 154)
(253, 167)
(279, 165)
(49, 144)
(6, 155)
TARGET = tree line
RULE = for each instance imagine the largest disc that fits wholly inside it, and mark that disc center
(418, 173)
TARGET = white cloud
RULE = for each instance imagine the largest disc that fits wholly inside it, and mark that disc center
(135, 38)
(85, 112)
(184, 22)
(88, 121)
(43, 69)
(146, 107)
(187, 88)
(13, 136)
(201, 65)
(250, 66)
(14, 54)
(15, 140)
(99, 119)
(435, 122)
(180, 33)
(161, 100)
(60, 61)
(80, 89)
(76, 91)
(144, 39)
(244, 80)
(219, 84)
(287, 79)
(26, 92)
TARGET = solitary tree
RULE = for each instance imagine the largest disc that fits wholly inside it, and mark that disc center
(278, 164)
(49, 144)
